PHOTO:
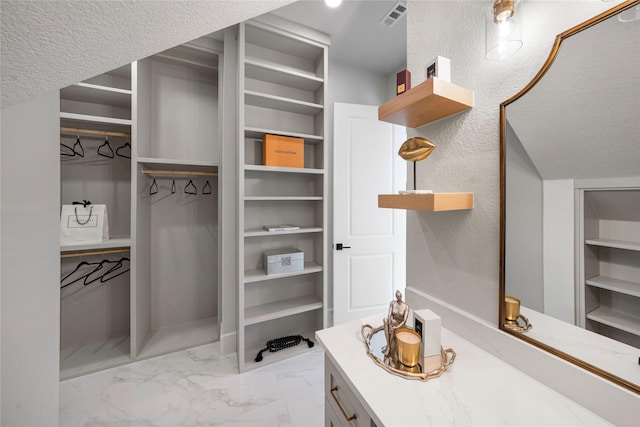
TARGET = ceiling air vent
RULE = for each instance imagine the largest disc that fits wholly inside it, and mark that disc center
(394, 14)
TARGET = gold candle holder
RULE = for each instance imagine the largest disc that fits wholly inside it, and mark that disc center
(512, 308)
(408, 346)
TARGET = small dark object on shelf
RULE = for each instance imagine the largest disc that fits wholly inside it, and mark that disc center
(282, 343)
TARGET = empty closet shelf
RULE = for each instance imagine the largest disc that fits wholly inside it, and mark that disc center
(277, 309)
(260, 275)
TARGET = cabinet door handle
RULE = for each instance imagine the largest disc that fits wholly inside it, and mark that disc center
(344, 413)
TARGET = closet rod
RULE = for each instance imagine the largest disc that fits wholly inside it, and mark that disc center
(169, 172)
(94, 132)
(94, 252)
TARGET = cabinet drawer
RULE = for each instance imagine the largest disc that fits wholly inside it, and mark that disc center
(331, 419)
(342, 401)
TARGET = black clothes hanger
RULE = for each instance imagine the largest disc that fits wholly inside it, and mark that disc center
(76, 150)
(105, 149)
(119, 269)
(77, 147)
(76, 271)
(173, 186)
(154, 187)
(190, 188)
(103, 268)
(207, 188)
(66, 151)
(123, 148)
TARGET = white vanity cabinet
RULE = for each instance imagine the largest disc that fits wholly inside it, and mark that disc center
(477, 389)
(341, 406)
(283, 90)
(609, 255)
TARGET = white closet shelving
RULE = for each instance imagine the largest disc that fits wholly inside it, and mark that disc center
(166, 108)
(178, 153)
(610, 262)
(283, 80)
(95, 316)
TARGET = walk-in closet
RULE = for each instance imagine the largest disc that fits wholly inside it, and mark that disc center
(144, 140)
(95, 156)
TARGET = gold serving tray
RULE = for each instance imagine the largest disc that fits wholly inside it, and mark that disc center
(374, 341)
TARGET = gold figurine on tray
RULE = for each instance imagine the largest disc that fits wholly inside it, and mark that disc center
(396, 319)
(401, 352)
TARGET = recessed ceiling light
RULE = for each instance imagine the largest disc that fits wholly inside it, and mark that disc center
(333, 3)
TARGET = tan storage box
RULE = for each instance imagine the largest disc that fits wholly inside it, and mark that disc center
(283, 151)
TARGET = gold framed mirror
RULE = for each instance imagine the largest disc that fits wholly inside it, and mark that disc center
(556, 273)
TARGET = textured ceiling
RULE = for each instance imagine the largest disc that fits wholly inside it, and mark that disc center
(582, 120)
(47, 45)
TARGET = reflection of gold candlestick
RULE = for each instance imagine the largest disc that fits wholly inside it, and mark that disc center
(408, 346)
(512, 308)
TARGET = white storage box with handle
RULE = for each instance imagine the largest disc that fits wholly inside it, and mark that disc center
(280, 261)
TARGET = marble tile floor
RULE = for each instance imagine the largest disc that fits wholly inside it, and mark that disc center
(198, 387)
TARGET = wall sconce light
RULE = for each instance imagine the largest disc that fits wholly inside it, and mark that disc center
(503, 29)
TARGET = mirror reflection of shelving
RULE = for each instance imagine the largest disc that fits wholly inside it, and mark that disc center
(611, 254)
(282, 83)
(95, 157)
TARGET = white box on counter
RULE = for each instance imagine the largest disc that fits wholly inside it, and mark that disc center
(428, 325)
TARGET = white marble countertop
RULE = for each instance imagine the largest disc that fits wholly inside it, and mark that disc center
(477, 389)
(610, 355)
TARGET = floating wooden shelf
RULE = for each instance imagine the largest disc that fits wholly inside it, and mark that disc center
(427, 202)
(431, 100)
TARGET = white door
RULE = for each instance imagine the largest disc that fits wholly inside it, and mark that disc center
(371, 265)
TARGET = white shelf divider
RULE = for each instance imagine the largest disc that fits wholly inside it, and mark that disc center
(263, 100)
(282, 308)
(259, 232)
(616, 285)
(97, 94)
(175, 162)
(251, 276)
(117, 242)
(258, 133)
(95, 119)
(282, 198)
(276, 169)
(617, 244)
(616, 319)
(280, 75)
